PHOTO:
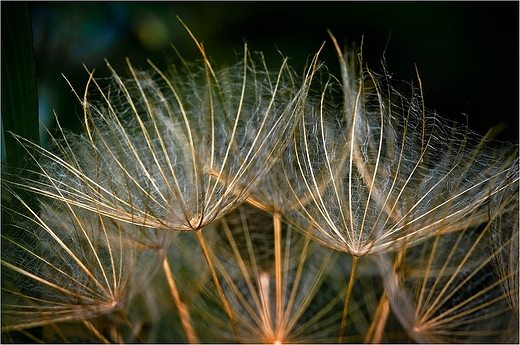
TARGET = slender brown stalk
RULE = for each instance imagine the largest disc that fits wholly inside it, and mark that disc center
(183, 310)
(278, 266)
(217, 284)
(355, 262)
(375, 332)
(94, 331)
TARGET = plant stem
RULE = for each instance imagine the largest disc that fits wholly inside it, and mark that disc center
(94, 331)
(183, 310)
(355, 261)
(379, 321)
(217, 284)
(278, 267)
(381, 325)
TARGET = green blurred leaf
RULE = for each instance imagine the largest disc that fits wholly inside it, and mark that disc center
(19, 116)
(19, 94)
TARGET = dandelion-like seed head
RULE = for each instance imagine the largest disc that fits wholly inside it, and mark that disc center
(255, 205)
(176, 151)
(389, 174)
(445, 289)
(67, 264)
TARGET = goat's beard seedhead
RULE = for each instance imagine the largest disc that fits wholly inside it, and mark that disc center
(348, 165)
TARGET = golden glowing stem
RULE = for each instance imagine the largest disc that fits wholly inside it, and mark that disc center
(278, 267)
(217, 284)
(183, 310)
(94, 331)
(378, 322)
(381, 324)
(266, 304)
(355, 261)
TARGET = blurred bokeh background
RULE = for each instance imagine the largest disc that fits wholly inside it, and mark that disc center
(466, 52)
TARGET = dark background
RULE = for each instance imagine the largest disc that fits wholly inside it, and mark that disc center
(466, 52)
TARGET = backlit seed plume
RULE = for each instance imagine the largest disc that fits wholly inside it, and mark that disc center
(444, 290)
(381, 173)
(389, 173)
(332, 208)
(67, 264)
(176, 150)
